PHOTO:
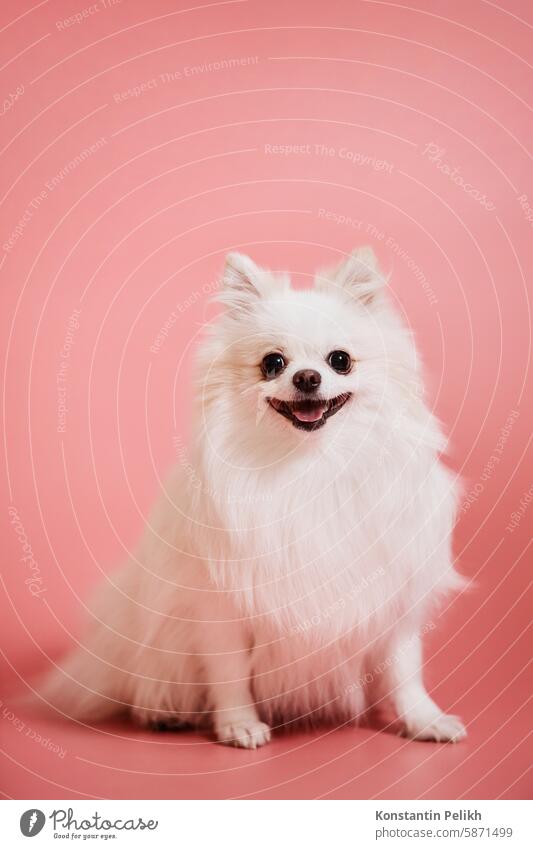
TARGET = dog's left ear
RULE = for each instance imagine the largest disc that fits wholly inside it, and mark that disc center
(358, 275)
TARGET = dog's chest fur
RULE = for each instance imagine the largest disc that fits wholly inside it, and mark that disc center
(322, 552)
(323, 561)
(312, 572)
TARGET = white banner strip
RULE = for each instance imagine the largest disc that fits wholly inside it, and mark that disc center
(267, 824)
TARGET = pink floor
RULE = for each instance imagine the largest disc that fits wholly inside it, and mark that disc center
(116, 761)
(477, 656)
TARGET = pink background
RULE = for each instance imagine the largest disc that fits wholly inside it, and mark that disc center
(133, 236)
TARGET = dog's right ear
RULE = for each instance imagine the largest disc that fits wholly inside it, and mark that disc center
(241, 276)
(243, 282)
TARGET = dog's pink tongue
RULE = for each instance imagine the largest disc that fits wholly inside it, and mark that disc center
(311, 415)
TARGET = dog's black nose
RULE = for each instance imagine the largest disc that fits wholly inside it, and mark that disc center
(307, 380)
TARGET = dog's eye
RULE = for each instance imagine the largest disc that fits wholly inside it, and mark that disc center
(340, 361)
(272, 364)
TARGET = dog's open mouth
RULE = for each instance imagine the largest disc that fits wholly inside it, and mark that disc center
(310, 413)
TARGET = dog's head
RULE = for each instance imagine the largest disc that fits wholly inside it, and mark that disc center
(303, 362)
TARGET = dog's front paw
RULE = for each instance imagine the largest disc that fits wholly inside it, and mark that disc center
(247, 734)
(443, 728)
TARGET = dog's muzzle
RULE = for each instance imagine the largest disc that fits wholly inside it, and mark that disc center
(309, 413)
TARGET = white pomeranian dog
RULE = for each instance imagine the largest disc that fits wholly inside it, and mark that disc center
(294, 559)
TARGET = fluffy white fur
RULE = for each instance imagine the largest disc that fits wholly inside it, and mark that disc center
(285, 575)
